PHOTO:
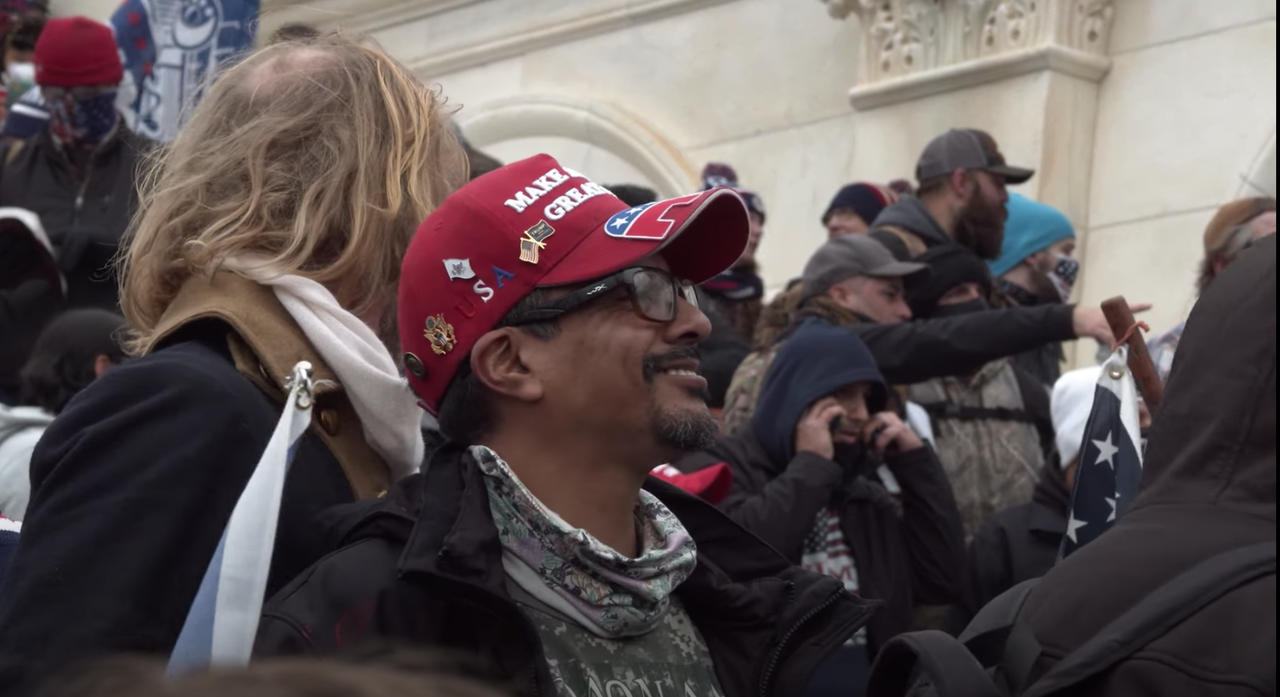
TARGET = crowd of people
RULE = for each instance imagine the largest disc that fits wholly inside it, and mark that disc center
(562, 436)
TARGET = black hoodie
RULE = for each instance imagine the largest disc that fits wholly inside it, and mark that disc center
(1209, 480)
(424, 566)
(902, 559)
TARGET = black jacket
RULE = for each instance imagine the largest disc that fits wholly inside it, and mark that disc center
(424, 566)
(911, 352)
(1016, 544)
(1209, 478)
(132, 487)
(85, 215)
(903, 559)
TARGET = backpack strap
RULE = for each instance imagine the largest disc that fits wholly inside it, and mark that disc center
(995, 637)
(1158, 613)
(958, 668)
(1035, 399)
(934, 656)
(958, 412)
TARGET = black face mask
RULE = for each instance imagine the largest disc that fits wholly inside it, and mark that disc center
(853, 458)
(964, 308)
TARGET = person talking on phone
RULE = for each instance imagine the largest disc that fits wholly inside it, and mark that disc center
(804, 481)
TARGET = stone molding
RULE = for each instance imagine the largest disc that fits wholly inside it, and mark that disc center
(525, 40)
(914, 48)
(371, 16)
(603, 126)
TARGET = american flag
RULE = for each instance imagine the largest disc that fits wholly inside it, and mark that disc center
(1110, 471)
(223, 618)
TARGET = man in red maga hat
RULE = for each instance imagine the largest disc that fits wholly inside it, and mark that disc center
(553, 331)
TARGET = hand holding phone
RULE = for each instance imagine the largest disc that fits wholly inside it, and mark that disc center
(886, 433)
(814, 432)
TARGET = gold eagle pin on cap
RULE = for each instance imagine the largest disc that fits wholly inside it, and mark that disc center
(440, 334)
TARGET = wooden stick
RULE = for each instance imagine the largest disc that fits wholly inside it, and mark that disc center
(1120, 317)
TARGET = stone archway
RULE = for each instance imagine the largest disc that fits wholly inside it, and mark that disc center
(598, 125)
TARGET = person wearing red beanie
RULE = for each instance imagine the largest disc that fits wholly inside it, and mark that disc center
(78, 70)
(77, 173)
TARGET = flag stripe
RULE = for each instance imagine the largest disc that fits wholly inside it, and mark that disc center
(223, 618)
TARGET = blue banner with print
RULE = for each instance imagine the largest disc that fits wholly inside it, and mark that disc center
(172, 49)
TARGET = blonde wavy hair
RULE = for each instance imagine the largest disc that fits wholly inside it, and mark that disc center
(322, 157)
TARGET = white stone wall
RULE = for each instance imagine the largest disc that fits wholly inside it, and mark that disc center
(647, 91)
(1186, 120)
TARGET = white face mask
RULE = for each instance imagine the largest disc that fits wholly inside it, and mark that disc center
(24, 73)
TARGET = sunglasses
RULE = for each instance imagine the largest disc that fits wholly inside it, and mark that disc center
(655, 296)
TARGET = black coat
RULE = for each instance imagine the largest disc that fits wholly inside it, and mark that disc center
(903, 559)
(1015, 544)
(85, 215)
(132, 487)
(1209, 486)
(424, 566)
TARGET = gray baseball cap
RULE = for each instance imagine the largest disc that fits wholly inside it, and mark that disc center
(856, 255)
(966, 148)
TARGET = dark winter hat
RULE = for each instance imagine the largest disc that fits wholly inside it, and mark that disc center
(867, 200)
(717, 174)
(949, 265)
(77, 52)
(970, 149)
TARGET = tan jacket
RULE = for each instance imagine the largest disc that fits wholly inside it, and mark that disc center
(266, 343)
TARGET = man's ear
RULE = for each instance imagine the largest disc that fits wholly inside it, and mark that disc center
(962, 185)
(497, 362)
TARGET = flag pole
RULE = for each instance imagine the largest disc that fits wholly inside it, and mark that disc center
(1123, 326)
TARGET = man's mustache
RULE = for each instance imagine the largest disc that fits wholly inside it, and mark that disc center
(654, 364)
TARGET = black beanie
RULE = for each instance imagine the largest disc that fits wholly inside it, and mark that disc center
(949, 266)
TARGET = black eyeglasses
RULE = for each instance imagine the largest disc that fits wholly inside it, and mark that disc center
(655, 295)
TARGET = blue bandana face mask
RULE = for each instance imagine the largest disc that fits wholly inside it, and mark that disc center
(84, 121)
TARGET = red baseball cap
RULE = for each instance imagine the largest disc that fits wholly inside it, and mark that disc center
(533, 224)
(711, 483)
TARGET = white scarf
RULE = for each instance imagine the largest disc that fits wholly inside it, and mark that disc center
(387, 409)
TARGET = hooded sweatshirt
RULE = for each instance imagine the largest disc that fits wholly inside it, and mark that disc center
(819, 360)
(1209, 479)
(908, 216)
(903, 559)
(20, 430)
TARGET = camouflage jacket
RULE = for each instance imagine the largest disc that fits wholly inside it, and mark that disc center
(776, 321)
(993, 463)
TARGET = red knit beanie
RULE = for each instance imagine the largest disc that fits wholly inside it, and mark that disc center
(77, 52)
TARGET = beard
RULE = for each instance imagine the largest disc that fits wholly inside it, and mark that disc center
(684, 430)
(679, 429)
(981, 226)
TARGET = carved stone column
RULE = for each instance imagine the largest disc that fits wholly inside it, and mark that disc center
(912, 48)
(1026, 70)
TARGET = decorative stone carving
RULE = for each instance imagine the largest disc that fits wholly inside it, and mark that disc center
(903, 41)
